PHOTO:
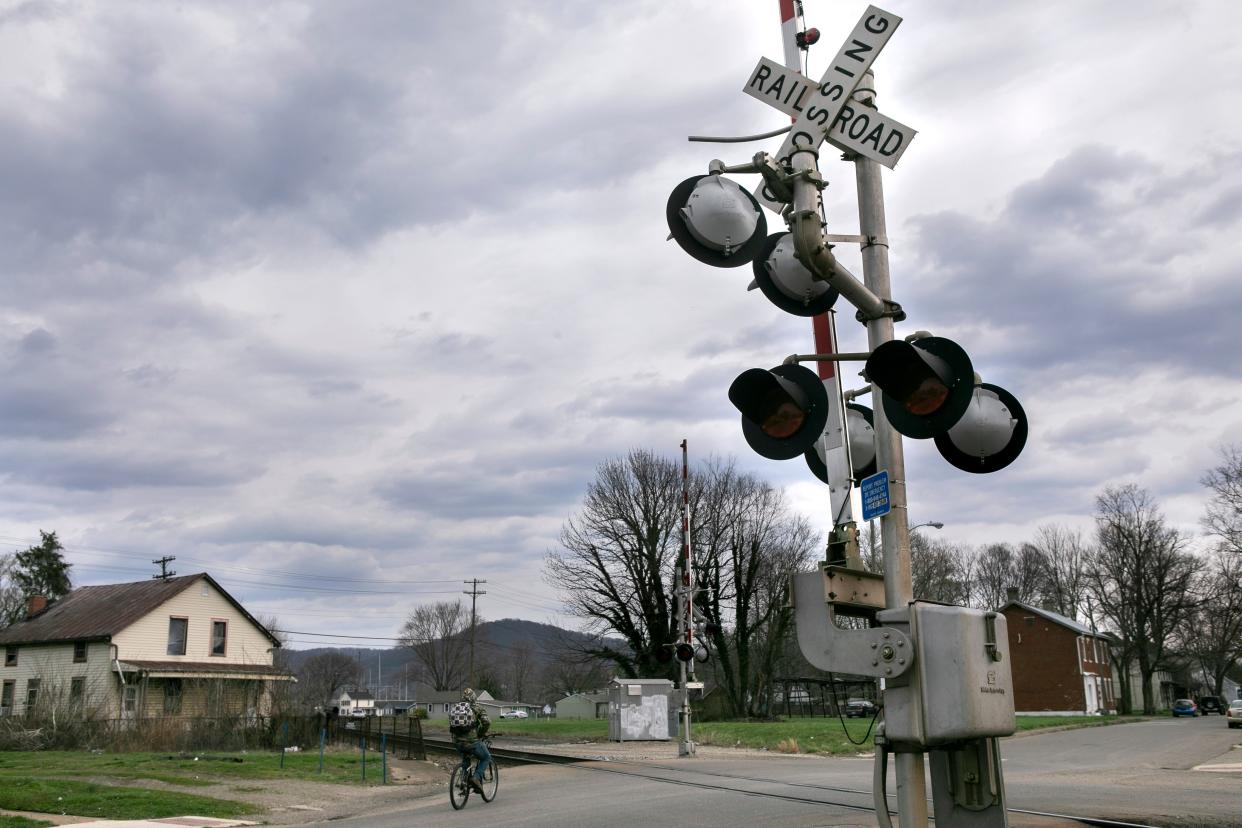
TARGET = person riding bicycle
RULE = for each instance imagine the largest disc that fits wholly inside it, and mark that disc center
(468, 724)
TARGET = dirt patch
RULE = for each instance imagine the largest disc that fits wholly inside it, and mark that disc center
(297, 802)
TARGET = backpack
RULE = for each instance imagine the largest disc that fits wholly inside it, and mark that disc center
(461, 716)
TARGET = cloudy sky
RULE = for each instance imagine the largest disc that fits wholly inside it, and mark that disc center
(331, 299)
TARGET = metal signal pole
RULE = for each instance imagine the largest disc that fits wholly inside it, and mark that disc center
(685, 588)
(894, 526)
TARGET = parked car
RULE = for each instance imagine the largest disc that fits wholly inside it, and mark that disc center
(1212, 704)
(1233, 714)
(1185, 707)
(859, 709)
(514, 714)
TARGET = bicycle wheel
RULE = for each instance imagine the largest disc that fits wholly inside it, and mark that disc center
(491, 781)
(459, 788)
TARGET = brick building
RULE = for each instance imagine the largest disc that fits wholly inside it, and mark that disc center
(1059, 666)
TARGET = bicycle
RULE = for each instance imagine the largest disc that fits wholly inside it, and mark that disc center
(459, 783)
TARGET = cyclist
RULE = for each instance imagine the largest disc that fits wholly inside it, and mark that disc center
(468, 738)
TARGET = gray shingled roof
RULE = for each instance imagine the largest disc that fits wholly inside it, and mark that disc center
(1056, 618)
(92, 613)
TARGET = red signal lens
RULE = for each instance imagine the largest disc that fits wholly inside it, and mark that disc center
(781, 418)
(927, 397)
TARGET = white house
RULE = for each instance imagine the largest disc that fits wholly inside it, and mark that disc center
(164, 647)
(356, 702)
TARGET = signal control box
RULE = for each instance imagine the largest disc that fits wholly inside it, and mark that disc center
(960, 686)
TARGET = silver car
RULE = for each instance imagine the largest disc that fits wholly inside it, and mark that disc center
(1234, 714)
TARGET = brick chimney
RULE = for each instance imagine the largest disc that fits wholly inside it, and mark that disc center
(35, 604)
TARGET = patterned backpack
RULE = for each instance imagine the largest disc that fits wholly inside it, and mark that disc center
(461, 716)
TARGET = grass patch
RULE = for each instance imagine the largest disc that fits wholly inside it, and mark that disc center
(67, 796)
(52, 781)
(22, 822)
(793, 735)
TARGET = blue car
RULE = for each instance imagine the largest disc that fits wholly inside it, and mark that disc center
(1185, 707)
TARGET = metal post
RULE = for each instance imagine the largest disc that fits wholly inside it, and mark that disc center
(894, 526)
(384, 754)
(323, 737)
(685, 586)
(363, 744)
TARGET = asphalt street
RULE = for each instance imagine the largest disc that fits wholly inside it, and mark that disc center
(1158, 772)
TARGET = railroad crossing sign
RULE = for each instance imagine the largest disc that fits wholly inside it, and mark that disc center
(821, 111)
(858, 129)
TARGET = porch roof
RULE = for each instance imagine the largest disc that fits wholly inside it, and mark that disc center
(199, 669)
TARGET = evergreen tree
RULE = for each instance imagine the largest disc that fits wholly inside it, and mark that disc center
(43, 570)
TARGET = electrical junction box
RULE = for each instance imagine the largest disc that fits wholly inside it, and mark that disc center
(959, 687)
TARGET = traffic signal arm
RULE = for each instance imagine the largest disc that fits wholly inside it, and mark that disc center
(813, 251)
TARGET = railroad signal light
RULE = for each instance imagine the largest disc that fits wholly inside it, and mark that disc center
(927, 384)
(989, 436)
(859, 426)
(716, 221)
(685, 651)
(784, 410)
(786, 281)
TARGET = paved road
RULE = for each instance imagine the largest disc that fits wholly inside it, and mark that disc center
(1143, 772)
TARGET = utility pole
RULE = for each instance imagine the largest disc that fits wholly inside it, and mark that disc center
(474, 592)
(163, 565)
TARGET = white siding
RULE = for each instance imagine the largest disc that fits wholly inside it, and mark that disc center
(54, 667)
(201, 603)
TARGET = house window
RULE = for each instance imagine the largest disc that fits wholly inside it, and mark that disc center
(77, 689)
(177, 630)
(129, 702)
(219, 637)
(172, 695)
(1030, 620)
(10, 655)
(6, 698)
(32, 693)
(79, 652)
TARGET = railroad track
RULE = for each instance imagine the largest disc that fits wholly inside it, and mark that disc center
(859, 799)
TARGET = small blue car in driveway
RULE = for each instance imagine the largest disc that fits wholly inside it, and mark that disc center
(1184, 707)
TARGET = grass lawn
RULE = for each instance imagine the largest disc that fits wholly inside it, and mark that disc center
(51, 781)
(794, 735)
(22, 822)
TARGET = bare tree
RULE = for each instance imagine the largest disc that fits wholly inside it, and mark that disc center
(1000, 568)
(1140, 579)
(1212, 632)
(323, 676)
(1223, 517)
(615, 561)
(439, 635)
(1065, 556)
(568, 673)
(520, 671)
(940, 570)
(746, 545)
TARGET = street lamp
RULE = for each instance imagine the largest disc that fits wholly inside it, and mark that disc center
(935, 524)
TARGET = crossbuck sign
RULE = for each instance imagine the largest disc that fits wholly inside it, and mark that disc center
(824, 111)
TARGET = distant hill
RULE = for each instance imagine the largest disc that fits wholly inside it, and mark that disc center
(496, 640)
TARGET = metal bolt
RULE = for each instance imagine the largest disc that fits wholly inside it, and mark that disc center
(901, 661)
(886, 635)
(873, 645)
(889, 671)
(887, 652)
